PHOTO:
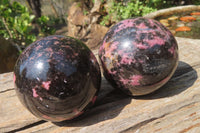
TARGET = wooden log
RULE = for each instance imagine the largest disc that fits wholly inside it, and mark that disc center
(175, 107)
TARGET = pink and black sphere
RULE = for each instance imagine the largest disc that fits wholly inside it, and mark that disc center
(57, 78)
(138, 55)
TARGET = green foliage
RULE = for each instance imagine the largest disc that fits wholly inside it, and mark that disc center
(105, 20)
(45, 24)
(120, 10)
(160, 4)
(196, 2)
(15, 22)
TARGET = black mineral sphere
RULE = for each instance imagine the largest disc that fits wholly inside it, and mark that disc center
(138, 55)
(57, 78)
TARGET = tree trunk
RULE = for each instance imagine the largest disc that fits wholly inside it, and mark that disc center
(35, 6)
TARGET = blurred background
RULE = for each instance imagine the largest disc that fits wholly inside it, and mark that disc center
(24, 21)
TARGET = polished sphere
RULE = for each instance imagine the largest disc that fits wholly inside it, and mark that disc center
(57, 78)
(138, 55)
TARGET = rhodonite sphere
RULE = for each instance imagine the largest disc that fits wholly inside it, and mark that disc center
(57, 78)
(138, 55)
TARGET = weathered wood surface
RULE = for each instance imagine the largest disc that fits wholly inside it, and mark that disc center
(173, 108)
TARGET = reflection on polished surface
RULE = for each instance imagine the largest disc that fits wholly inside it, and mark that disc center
(39, 65)
(57, 78)
(126, 44)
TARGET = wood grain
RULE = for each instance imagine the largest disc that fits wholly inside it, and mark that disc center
(175, 107)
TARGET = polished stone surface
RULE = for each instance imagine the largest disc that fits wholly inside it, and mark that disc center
(57, 78)
(138, 55)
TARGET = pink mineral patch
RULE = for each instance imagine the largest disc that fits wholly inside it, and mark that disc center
(34, 93)
(112, 72)
(47, 117)
(39, 55)
(49, 50)
(94, 99)
(124, 81)
(126, 23)
(155, 41)
(134, 80)
(171, 50)
(38, 47)
(46, 85)
(141, 61)
(152, 23)
(41, 99)
(56, 42)
(141, 46)
(142, 26)
(120, 52)
(54, 37)
(126, 59)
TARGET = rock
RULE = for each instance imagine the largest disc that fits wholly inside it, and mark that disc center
(164, 22)
(180, 24)
(91, 36)
(95, 36)
(195, 24)
(76, 15)
(195, 13)
(183, 28)
(173, 32)
(95, 18)
(86, 28)
(173, 18)
(73, 30)
(198, 18)
(187, 19)
(97, 6)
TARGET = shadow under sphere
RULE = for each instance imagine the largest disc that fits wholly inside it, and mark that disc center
(183, 78)
(109, 104)
(111, 101)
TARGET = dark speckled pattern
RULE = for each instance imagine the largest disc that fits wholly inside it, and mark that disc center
(57, 78)
(138, 55)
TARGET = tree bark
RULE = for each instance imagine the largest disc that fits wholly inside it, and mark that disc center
(35, 5)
